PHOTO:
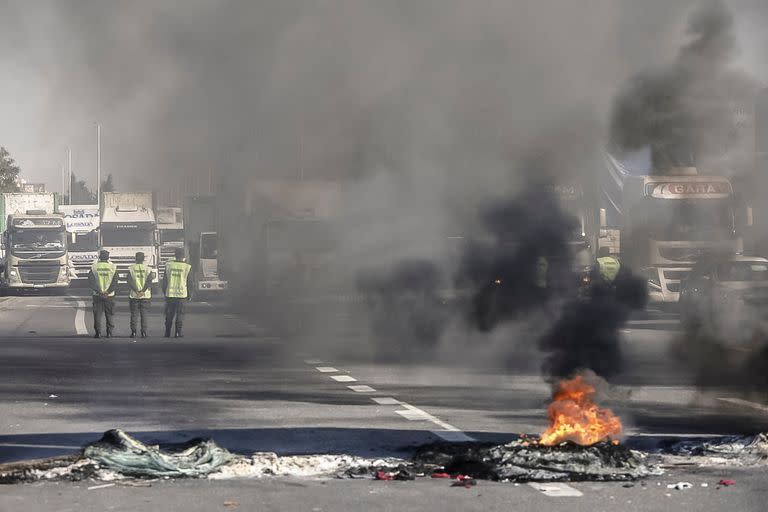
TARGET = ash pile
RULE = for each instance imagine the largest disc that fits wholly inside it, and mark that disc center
(525, 460)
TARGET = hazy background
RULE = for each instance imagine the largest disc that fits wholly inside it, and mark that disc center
(434, 88)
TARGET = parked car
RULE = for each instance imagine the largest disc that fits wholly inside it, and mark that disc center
(728, 297)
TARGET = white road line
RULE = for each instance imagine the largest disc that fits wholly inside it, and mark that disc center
(745, 403)
(46, 446)
(343, 378)
(556, 490)
(313, 362)
(385, 400)
(48, 306)
(452, 436)
(80, 327)
(653, 322)
(413, 413)
(362, 389)
(326, 369)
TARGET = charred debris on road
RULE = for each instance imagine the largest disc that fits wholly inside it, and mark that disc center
(119, 457)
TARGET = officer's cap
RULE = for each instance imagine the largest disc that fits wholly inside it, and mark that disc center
(103, 254)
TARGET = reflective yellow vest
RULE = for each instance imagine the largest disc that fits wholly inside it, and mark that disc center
(139, 273)
(176, 273)
(105, 272)
(608, 266)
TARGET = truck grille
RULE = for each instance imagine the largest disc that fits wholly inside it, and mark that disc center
(122, 263)
(45, 273)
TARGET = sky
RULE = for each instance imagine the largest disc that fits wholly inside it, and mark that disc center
(175, 84)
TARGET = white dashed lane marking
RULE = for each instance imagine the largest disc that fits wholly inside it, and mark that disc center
(385, 400)
(343, 378)
(80, 327)
(745, 403)
(362, 389)
(410, 412)
(556, 490)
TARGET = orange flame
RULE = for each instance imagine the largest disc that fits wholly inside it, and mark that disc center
(573, 416)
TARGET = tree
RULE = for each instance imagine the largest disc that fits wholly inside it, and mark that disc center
(9, 172)
(81, 194)
(107, 185)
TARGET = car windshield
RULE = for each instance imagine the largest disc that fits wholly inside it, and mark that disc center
(704, 219)
(38, 240)
(84, 242)
(126, 237)
(743, 271)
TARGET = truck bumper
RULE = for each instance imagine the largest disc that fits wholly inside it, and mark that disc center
(211, 286)
(19, 286)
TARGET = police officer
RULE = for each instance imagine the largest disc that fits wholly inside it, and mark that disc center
(177, 283)
(140, 279)
(607, 267)
(103, 283)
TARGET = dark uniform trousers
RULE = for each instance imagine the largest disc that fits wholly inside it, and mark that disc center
(103, 306)
(139, 308)
(174, 308)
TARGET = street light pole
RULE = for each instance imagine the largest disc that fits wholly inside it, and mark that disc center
(69, 174)
(98, 165)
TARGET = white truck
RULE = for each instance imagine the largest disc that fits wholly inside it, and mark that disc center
(34, 243)
(82, 223)
(202, 246)
(170, 225)
(668, 222)
(128, 226)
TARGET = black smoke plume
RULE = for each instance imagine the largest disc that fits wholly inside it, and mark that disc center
(687, 113)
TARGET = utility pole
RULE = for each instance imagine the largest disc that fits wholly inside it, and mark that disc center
(69, 174)
(98, 165)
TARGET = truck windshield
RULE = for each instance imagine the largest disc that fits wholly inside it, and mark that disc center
(37, 240)
(125, 237)
(84, 242)
(688, 220)
(171, 235)
(209, 246)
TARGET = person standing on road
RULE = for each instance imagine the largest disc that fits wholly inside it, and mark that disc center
(607, 266)
(177, 283)
(103, 284)
(140, 279)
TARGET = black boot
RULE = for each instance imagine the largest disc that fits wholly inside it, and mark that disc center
(97, 335)
(133, 333)
(179, 333)
(109, 334)
(167, 332)
(143, 334)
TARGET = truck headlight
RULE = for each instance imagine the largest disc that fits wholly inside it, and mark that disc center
(13, 276)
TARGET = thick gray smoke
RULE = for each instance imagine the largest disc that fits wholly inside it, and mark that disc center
(696, 111)
(427, 111)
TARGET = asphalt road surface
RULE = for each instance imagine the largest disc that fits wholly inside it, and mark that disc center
(330, 388)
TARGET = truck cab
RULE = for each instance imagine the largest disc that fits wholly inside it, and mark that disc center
(36, 255)
(128, 226)
(170, 226)
(82, 224)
